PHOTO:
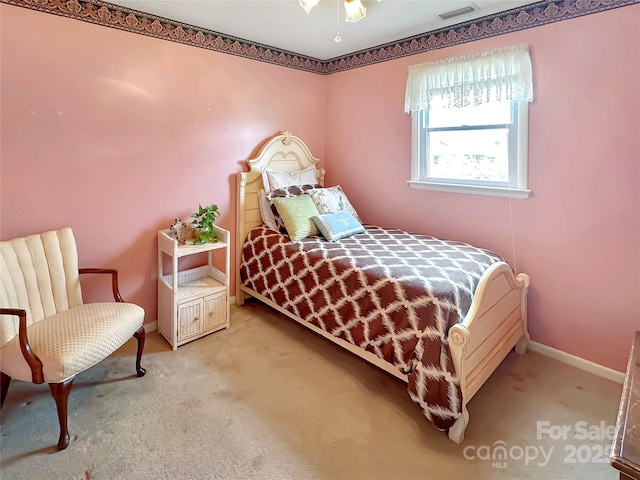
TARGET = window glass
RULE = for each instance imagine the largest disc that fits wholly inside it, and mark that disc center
(481, 155)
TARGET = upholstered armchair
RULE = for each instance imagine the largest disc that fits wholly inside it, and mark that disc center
(47, 333)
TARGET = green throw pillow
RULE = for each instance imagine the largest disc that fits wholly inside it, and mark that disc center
(296, 213)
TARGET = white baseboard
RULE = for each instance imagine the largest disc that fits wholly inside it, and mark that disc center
(578, 362)
(151, 326)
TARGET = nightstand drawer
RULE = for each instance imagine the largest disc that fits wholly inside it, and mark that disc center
(215, 311)
(190, 320)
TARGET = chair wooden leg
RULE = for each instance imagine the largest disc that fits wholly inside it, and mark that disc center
(60, 392)
(140, 335)
(5, 380)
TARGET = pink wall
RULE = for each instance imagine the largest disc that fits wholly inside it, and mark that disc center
(578, 236)
(117, 134)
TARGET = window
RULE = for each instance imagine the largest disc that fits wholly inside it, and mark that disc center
(471, 148)
(469, 123)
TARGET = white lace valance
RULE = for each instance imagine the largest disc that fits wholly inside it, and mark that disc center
(500, 74)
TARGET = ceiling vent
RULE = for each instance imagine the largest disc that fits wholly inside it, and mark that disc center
(457, 12)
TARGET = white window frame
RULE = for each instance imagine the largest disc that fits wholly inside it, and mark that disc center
(516, 187)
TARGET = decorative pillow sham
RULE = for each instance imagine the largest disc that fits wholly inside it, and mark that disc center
(335, 226)
(296, 213)
(332, 200)
(265, 211)
(274, 179)
(292, 191)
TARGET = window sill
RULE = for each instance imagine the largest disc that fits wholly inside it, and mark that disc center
(471, 189)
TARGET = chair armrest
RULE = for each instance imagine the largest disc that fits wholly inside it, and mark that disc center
(35, 364)
(114, 279)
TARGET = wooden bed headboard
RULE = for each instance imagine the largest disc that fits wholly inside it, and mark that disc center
(285, 153)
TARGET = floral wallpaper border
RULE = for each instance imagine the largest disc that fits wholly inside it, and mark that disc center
(122, 18)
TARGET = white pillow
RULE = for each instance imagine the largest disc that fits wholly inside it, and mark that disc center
(274, 179)
(265, 211)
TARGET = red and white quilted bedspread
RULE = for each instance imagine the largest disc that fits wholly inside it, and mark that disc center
(390, 292)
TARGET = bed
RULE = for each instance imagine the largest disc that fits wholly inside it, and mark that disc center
(380, 295)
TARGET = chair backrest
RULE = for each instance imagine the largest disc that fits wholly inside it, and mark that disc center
(39, 274)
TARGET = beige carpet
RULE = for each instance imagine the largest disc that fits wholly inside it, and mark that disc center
(268, 399)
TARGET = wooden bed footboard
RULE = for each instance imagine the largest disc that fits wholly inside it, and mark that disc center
(496, 323)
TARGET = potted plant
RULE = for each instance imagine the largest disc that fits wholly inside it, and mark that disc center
(203, 221)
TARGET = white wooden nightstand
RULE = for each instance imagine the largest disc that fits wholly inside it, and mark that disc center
(193, 302)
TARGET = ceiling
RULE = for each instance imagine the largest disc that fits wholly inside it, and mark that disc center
(285, 25)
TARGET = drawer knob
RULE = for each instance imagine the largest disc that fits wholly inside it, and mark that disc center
(195, 319)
